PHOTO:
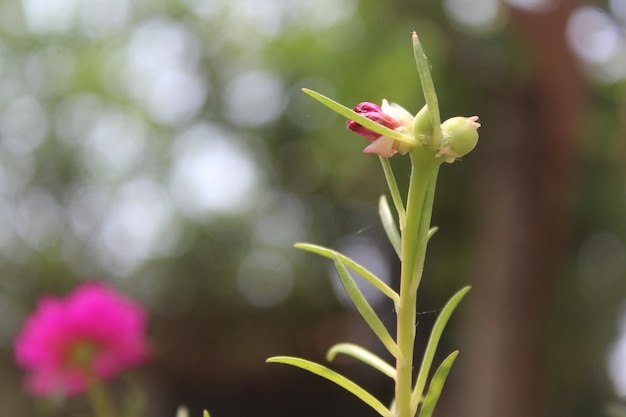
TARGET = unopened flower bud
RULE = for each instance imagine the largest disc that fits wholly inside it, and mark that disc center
(423, 126)
(389, 115)
(375, 113)
(459, 137)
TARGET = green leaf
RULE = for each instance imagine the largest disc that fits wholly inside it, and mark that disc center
(428, 87)
(424, 225)
(396, 197)
(337, 378)
(431, 347)
(363, 355)
(205, 414)
(436, 385)
(432, 231)
(362, 271)
(360, 119)
(365, 309)
(390, 226)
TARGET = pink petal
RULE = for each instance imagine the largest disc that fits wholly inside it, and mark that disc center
(382, 146)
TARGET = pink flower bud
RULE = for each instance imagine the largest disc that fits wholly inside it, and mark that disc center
(391, 116)
(374, 113)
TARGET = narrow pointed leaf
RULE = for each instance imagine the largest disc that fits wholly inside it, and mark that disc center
(360, 119)
(337, 378)
(389, 225)
(396, 197)
(362, 271)
(424, 228)
(436, 385)
(431, 347)
(432, 231)
(363, 355)
(428, 87)
(368, 313)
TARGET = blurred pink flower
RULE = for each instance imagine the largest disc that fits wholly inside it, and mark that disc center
(93, 333)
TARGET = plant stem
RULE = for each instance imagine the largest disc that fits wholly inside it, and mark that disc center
(424, 167)
(100, 399)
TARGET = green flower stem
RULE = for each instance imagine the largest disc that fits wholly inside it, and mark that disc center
(100, 400)
(415, 234)
(424, 170)
(414, 240)
(410, 244)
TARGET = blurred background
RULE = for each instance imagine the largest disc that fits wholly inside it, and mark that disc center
(165, 147)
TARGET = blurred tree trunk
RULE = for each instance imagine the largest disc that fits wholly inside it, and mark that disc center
(522, 222)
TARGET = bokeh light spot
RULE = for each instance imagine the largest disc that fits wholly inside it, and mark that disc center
(38, 216)
(618, 8)
(616, 363)
(213, 172)
(162, 71)
(102, 18)
(139, 225)
(264, 278)
(15, 172)
(115, 145)
(49, 16)
(76, 116)
(283, 219)
(477, 15)
(23, 125)
(599, 42)
(536, 6)
(593, 35)
(254, 98)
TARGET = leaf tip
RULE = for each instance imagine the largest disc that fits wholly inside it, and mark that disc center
(332, 353)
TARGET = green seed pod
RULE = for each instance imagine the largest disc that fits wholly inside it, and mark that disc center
(459, 137)
(422, 126)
